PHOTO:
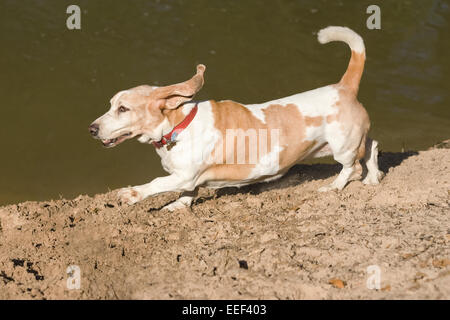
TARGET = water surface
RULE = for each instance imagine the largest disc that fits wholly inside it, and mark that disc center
(54, 82)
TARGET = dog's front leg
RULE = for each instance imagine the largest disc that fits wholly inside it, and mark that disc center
(173, 182)
(183, 201)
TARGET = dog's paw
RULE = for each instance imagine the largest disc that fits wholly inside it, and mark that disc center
(373, 179)
(129, 196)
(174, 206)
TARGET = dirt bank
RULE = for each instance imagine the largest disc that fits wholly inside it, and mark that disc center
(281, 240)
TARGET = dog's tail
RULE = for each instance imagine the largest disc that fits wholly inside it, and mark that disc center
(352, 76)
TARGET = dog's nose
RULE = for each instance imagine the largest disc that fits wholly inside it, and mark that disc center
(93, 129)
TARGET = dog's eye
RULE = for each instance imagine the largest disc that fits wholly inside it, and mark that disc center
(123, 109)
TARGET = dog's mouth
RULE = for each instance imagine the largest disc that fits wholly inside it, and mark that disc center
(109, 143)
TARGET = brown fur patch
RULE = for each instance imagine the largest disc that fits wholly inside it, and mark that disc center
(174, 116)
(287, 119)
(313, 121)
(332, 117)
(352, 76)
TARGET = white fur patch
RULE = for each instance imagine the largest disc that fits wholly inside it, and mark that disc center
(257, 111)
(194, 144)
(350, 37)
(268, 165)
(313, 103)
(116, 97)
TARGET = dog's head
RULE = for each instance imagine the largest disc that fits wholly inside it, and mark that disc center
(142, 111)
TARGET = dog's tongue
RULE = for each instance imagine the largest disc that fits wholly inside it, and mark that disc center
(108, 142)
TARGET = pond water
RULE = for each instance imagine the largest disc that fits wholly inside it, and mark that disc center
(54, 82)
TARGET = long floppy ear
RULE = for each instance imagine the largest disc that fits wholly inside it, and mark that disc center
(179, 93)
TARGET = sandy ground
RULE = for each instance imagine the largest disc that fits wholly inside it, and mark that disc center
(281, 240)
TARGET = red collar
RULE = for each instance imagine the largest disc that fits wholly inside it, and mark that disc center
(171, 136)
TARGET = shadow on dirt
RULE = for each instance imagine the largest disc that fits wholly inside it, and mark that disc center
(307, 172)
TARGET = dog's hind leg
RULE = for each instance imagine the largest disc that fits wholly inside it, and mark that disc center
(371, 161)
(347, 159)
(347, 152)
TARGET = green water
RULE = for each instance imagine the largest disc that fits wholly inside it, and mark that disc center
(54, 82)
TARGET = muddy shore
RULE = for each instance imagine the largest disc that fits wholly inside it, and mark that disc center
(281, 240)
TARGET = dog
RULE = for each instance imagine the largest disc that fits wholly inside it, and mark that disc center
(204, 143)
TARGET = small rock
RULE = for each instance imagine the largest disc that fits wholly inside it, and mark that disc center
(386, 288)
(337, 283)
(243, 264)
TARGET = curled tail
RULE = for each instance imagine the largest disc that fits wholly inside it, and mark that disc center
(352, 76)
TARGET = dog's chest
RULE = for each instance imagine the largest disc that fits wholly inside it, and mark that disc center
(167, 157)
(187, 155)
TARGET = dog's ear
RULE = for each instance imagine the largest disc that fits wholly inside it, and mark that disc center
(179, 93)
